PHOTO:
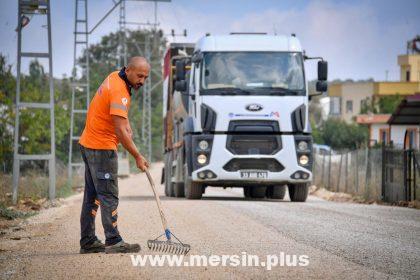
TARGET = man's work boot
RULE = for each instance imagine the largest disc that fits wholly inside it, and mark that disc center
(96, 247)
(122, 247)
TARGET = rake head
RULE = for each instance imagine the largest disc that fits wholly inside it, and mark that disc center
(168, 246)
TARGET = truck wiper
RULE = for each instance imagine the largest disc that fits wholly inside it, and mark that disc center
(277, 91)
(228, 91)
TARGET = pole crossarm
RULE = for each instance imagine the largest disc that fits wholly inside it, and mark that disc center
(105, 16)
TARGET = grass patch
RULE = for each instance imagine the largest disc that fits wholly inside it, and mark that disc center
(12, 214)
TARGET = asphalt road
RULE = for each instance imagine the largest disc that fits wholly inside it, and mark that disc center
(340, 240)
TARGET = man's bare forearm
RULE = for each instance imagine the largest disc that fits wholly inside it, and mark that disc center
(127, 142)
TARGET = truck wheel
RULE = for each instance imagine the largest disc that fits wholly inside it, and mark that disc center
(193, 190)
(247, 192)
(258, 191)
(169, 188)
(276, 192)
(298, 192)
(179, 190)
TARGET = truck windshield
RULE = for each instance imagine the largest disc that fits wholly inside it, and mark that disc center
(238, 73)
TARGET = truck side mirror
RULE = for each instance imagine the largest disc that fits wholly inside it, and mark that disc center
(180, 70)
(181, 85)
(321, 86)
(322, 70)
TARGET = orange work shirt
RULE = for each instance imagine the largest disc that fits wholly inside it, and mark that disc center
(112, 98)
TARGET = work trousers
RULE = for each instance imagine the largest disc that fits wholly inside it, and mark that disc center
(101, 190)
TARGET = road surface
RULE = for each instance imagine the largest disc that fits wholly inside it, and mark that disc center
(340, 240)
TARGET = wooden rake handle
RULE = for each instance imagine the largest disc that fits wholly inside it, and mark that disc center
(159, 205)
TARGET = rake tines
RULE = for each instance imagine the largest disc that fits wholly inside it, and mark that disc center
(168, 247)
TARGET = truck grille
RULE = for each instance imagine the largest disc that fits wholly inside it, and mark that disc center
(253, 138)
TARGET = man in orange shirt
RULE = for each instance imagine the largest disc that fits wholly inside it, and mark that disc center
(107, 125)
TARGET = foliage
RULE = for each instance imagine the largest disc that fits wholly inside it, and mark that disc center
(340, 135)
(381, 105)
(12, 214)
(34, 128)
(388, 104)
(7, 94)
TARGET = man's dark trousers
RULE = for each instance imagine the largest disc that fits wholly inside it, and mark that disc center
(101, 189)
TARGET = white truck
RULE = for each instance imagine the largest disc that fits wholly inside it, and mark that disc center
(235, 112)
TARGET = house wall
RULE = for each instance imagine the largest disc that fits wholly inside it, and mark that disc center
(355, 93)
(374, 132)
(398, 133)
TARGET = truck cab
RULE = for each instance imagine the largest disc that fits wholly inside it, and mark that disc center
(236, 115)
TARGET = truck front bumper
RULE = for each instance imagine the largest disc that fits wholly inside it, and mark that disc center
(228, 168)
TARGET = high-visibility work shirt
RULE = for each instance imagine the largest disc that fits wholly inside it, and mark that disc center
(112, 98)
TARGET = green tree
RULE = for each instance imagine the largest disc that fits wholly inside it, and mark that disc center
(7, 95)
(388, 104)
(340, 135)
(34, 128)
(381, 105)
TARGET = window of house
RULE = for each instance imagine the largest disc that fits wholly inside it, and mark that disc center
(407, 76)
(411, 139)
(384, 135)
(349, 106)
(335, 106)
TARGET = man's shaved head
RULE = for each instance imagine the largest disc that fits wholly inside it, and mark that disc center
(138, 61)
(137, 71)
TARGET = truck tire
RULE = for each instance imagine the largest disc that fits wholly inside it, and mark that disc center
(193, 190)
(247, 192)
(179, 190)
(298, 192)
(276, 192)
(169, 188)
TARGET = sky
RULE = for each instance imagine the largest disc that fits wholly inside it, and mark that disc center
(359, 39)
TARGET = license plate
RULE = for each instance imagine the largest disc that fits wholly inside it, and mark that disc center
(254, 174)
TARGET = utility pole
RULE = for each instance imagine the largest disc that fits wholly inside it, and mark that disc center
(80, 78)
(146, 122)
(80, 81)
(122, 36)
(123, 160)
(146, 128)
(33, 8)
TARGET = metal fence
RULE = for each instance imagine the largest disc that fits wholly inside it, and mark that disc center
(356, 172)
(383, 173)
(400, 178)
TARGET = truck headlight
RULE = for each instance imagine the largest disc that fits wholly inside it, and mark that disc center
(303, 160)
(201, 159)
(203, 145)
(302, 146)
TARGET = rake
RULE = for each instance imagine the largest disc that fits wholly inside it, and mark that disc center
(168, 245)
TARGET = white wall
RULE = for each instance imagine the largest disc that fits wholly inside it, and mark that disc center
(398, 133)
(375, 131)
